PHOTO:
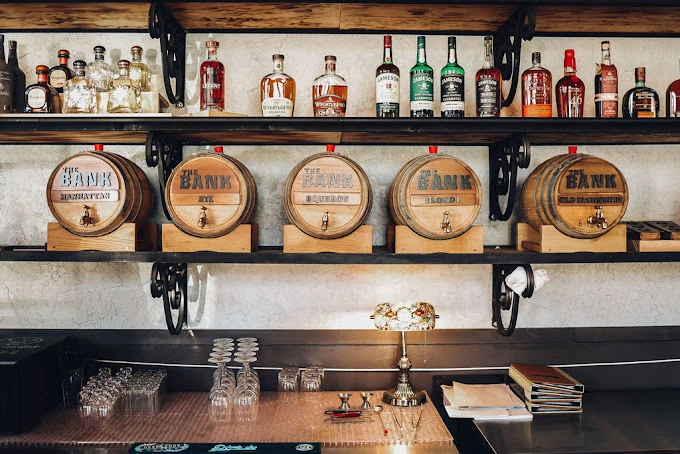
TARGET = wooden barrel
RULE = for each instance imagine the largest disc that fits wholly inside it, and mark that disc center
(94, 193)
(581, 195)
(327, 196)
(437, 196)
(210, 194)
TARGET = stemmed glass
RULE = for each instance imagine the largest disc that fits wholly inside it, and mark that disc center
(224, 383)
(247, 397)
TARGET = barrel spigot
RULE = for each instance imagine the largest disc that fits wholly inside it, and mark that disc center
(446, 223)
(202, 218)
(598, 220)
(86, 220)
(324, 221)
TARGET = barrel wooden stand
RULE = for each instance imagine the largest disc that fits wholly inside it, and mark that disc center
(129, 237)
(402, 240)
(549, 239)
(360, 241)
(242, 239)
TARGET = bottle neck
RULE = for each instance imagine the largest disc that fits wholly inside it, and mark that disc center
(79, 72)
(488, 54)
(606, 57)
(278, 66)
(212, 53)
(136, 57)
(421, 58)
(640, 83)
(387, 54)
(330, 67)
(124, 72)
(2, 49)
(452, 55)
(12, 59)
(42, 79)
(98, 57)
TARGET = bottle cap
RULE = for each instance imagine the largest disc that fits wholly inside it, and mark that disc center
(12, 43)
(536, 57)
(41, 69)
(99, 49)
(572, 149)
(79, 64)
(63, 53)
(277, 57)
(452, 42)
(488, 38)
(219, 149)
(98, 147)
(330, 148)
(387, 41)
(640, 74)
(135, 49)
(605, 45)
(330, 57)
(569, 60)
(433, 149)
(214, 44)
(123, 63)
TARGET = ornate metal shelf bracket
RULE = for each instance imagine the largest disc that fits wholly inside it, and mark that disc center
(505, 157)
(503, 298)
(163, 25)
(507, 46)
(169, 281)
(166, 153)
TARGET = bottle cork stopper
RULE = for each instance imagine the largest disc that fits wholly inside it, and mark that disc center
(98, 147)
(330, 148)
(572, 149)
(433, 149)
(219, 149)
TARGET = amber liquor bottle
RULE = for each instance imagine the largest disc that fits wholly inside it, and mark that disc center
(640, 101)
(277, 91)
(38, 97)
(59, 74)
(19, 77)
(329, 92)
(212, 80)
(570, 90)
(606, 86)
(536, 90)
(488, 84)
(672, 99)
(387, 84)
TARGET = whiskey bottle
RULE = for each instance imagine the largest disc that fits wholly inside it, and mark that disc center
(277, 91)
(38, 97)
(422, 84)
(329, 92)
(79, 95)
(673, 100)
(570, 90)
(606, 86)
(640, 101)
(387, 84)
(59, 74)
(488, 84)
(19, 81)
(536, 90)
(124, 96)
(212, 80)
(139, 72)
(99, 73)
(6, 81)
(452, 85)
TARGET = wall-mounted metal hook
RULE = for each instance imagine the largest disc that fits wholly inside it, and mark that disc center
(169, 281)
(163, 25)
(505, 157)
(166, 153)
(503, 298)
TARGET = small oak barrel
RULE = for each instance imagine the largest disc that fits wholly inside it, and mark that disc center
(437, 196)
(581, 195)
(327, 195)
(94, 193)
(210, 194)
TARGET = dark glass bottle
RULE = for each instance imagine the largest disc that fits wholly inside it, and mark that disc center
(387, 84)
(570, 90)
(38, 96)
(673, 100)
(422, 84)
(488, 83)
(606, 86)
(19, 77)
(452, 85)
(6, 79)
(640, 101)
(59, 74)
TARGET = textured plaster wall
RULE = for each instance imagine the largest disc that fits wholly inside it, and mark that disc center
(106, 295)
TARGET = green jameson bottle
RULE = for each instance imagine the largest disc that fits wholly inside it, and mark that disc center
(422, 85)
(453, 85)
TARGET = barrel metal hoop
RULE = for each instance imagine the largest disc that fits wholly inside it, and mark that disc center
(505, 157)
(169, 281)
(166, 153)
(507, 46)
(503, 298)
(163, 25)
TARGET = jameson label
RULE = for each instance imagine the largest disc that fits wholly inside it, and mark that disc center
(422, 91)
(609, 97)
(329, 106)
(277, 107)
(387, 88)
(58, 78)
(453, 93)
(488, 97)
(36, 98)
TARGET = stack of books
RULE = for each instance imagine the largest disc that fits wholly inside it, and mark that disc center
(546, 389)
(483, 402)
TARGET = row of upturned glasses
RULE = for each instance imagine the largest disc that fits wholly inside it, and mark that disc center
(98, 397)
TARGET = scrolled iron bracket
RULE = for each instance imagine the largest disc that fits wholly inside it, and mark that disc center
(169, 281)
(507, 46)
(163, 25)
(505, 157)
(166, 153)
(503, 298)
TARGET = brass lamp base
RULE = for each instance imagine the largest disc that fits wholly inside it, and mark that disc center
(401, 397)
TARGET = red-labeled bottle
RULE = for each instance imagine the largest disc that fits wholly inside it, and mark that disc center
(212, 80)
(570, 90)
(606, 86)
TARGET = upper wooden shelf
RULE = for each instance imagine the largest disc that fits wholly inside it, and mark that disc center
(565, 17)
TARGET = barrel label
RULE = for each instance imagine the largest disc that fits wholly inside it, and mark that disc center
(206, 181)
(590, 199)
(433, 181)
(443, 182)
(460, 199)
(579, 179)
(85, 179)
(316, 178)
(308, 198)
(84, 196)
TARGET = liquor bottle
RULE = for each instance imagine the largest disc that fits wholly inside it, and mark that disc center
(640, 101)
(212, 80)
(19, 78)
(59, 74)
(488, 84)
(606, 86)
(422, 84)
(79, 95)
(452, 85)
(6, 79)
(99, 73)
(673, 100)
(570, 90)
(124, 96)
(536, 90)
(277, 91)
(139, 72)
(38, 97)
(387, 84)
(329, 92)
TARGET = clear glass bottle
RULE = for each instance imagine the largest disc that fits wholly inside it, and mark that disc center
(387, 84)
(79, 95)
(6, 81)
(59, 74)
(277, 91)
(673, 99)
(488, 84)
(38, 97)
(452, 85)
(19, 77)
(606, 86)
(570, 90)
(212, 80)
(99, 73)
(640, 101)
(422, 84)
(536, 90)
(329, 92)
(124, 97)
(139, 72)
